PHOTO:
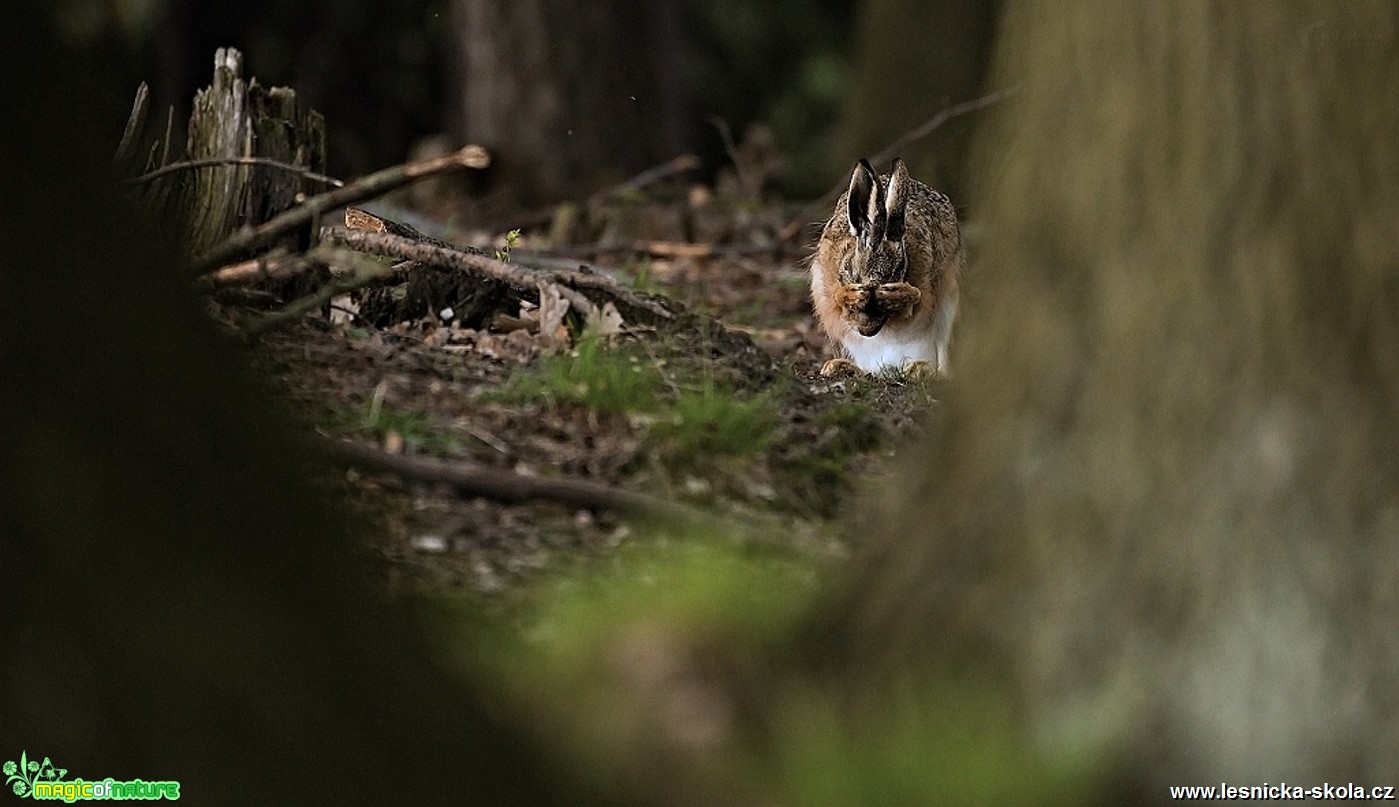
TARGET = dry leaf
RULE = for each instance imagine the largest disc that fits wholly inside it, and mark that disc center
(552, 310)
(357, 219)
(609, 321)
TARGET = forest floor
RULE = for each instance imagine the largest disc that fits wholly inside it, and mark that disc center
(726, 412)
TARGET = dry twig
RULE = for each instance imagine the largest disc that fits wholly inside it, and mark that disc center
(189, 165)
(252, 271)
(669, 168)
(250, 238)
(745, 180)
(500, 485)
(435, 253)
(821, 206)
(652, 175)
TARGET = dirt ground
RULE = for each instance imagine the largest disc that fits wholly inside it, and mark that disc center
(502, 398)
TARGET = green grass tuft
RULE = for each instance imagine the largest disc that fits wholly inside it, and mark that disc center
(712, 421)
(592, 375)
(417, 429)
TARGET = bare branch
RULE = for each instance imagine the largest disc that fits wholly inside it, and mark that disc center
(918, 133)
(821, 206)
(471, 480)
(376, 184)
(429, 251)
(189, 165)
(673, 166)
(252, 271)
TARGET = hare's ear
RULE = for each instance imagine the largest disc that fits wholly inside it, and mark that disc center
(897, 202)
(864, 205)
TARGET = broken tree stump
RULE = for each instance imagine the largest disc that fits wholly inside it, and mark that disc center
(236, 119)
(250, 153)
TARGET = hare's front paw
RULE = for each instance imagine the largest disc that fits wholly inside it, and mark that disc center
(897, 298)
(923, 370)
(834, 366)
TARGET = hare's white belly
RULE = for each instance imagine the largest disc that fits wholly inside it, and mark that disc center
(924, 340)
(891, 349)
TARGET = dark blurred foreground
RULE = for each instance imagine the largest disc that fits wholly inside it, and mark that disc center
(180, 602)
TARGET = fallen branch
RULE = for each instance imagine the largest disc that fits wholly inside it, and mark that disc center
(821, 207)
(246, 273)
(568, 281)
(386, 243)
(381, 182)
(473, 481)
(190, 165)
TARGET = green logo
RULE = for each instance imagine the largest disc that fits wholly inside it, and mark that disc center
(41, 780)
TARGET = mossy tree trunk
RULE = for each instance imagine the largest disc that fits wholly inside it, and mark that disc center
(1165, 494)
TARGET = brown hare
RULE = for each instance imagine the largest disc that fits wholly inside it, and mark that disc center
(884, 280)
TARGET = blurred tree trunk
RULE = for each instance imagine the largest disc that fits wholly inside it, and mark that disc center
(179, 600)
(914, 59)
(1165, 498)
(567, 95)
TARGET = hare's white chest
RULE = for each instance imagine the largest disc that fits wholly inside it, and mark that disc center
(890, 349)
(924, 339)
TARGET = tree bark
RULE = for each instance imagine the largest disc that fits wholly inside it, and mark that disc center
(569, 95)
(235, 118)
(914, 59)
(1166, 491)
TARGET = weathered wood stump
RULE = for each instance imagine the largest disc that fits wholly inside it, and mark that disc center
(245, 145)
(233, 119)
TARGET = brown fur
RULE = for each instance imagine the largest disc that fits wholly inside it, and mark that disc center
(853, 290)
